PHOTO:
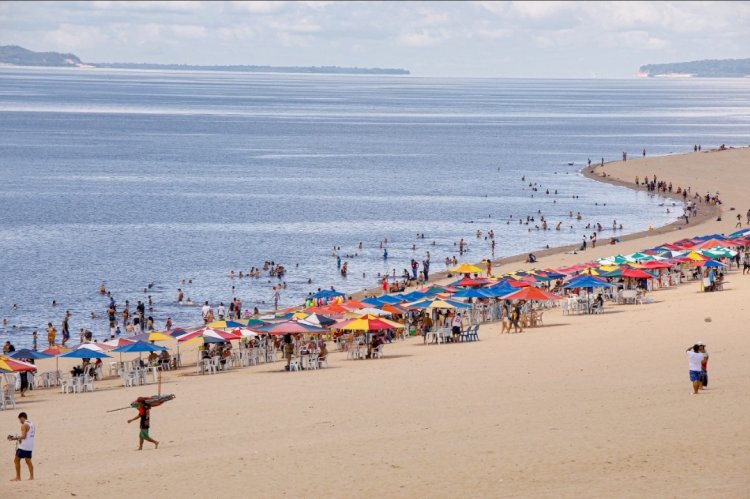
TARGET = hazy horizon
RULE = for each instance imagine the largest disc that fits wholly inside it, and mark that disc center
(447, 39)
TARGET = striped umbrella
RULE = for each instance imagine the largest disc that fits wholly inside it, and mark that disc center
(367, 323)
(8, 365)
(291, 326)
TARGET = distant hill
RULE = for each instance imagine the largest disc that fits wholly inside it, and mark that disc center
(707, 68)
(19, 56)
(254, 69)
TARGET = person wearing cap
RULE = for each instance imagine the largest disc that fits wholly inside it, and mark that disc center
(704, 365)
(695, 359)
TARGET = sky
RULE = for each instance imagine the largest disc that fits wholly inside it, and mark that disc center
(453, 39)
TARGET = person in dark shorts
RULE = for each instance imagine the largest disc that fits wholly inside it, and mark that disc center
(144, 414)
(25, 446)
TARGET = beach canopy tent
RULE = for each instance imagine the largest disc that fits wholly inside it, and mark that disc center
(9, 365)
(85, 353)
(139, 347)
(26, 354)
(468, 282)
(372, 302)
(532, 293)
(328, 293)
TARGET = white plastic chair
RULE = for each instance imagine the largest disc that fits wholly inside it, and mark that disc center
(294, 365)
(378, 352)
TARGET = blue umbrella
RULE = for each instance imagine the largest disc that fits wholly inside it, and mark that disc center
(587, 282)
(390, 299)
(85, 353)
(25, 353)
(473, 293)
(713, 263)
(138, 347)
(373, 301)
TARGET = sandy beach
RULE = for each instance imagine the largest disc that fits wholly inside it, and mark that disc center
(587, 406)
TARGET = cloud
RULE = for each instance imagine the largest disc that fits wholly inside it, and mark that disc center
(451, 38)
(420, 39)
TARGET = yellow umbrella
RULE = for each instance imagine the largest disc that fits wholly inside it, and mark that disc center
(367, 323)
(467, 268)
(153, 336)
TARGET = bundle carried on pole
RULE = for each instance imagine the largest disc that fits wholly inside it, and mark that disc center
(152, 401)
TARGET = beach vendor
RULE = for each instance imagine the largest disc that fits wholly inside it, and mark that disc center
(144, 414)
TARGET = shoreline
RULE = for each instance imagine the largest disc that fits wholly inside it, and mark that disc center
(706, 213)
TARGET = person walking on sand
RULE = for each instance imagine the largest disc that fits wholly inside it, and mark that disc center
(25, 446)
(695, 361)
(746, 263)
(144, 414)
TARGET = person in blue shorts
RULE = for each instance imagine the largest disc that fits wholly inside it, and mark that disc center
(25, 446)
(695, 359)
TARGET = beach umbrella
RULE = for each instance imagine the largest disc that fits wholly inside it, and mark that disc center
(244, 332)
(367, 323)
(85, 353)
(25, 353)
(393, 300)
(439, 304)
(352, 303)
(473, 293)
(10, 365)
(176, 332)
(393, 309)
(695, 256)
(709, 263)
(468, 282)
(139, 347)
(206, 332)
(587, 282)
(636, 273)
(318, 320)
(370, 311)
(532, 294)
(466, 268)
(225, 324)
(372, 302)
(56, 350)
(151, 336)
(293, 327)
(119, 342)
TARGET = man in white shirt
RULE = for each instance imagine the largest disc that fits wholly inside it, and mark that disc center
(695, 358)
(221, 311)
(25, 446)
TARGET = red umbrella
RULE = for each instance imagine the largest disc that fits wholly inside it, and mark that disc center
(531, 293)
(637, 273)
